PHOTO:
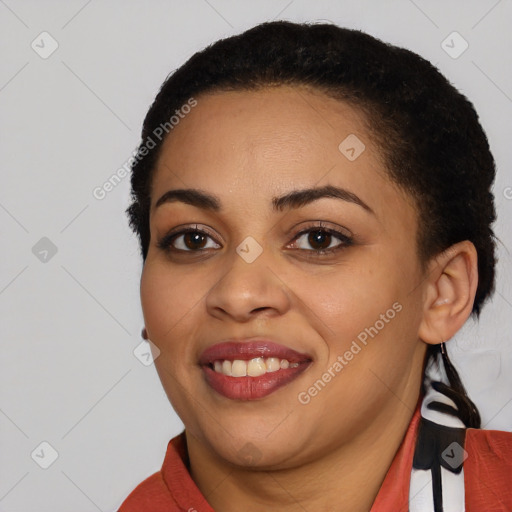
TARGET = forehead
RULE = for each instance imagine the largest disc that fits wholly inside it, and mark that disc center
(266, 125)
(256, 144)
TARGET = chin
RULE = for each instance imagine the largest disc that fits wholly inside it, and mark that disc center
(264, 451)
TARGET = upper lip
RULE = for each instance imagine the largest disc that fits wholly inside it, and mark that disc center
(250, 348)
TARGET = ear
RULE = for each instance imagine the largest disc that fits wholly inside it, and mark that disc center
(451, 283)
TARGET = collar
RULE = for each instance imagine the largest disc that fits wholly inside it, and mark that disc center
(394, 491)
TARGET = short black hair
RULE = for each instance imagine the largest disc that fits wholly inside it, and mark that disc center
(428, 132)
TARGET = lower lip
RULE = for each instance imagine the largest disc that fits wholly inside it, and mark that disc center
(251, 388)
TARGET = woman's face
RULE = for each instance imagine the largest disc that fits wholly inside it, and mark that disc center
(317, 296)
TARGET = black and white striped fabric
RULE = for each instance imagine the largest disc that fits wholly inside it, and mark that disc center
(437, 478)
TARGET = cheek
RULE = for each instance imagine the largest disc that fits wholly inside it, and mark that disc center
(154, 300)
(371, 337)
(166, 298)
(364, 301)
(348, 298)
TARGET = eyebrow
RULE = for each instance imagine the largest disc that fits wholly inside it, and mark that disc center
(294, 199)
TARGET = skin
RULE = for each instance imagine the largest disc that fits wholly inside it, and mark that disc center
(246, 148)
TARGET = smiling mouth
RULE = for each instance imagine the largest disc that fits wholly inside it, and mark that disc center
(251, 370)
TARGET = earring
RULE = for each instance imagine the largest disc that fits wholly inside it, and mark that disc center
(144, 334)
(442, 348)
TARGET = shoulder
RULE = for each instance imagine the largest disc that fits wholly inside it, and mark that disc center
(489, 447)
(150, 495)
(488, 469)
(157, 492)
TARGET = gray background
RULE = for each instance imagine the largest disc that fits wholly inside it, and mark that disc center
(71, 322)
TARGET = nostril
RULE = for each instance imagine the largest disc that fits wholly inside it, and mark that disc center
(263, 308)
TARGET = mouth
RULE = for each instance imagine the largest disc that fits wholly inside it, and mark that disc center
(251, 370)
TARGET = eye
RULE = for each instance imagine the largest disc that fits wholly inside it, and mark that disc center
(321, 240)
(317, 240)
(188, 240)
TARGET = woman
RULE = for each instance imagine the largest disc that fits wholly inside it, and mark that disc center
(315, 215)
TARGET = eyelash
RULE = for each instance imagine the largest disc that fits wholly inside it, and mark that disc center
(165, 243)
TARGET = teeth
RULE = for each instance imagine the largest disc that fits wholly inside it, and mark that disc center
(273, 364)
(256, 367)
(253, 368)
(239, 368)
(226, 367)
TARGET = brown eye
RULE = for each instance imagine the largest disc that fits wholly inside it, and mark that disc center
(194, 240)
(319, 239)
(188, 240)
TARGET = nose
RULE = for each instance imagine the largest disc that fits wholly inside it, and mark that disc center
(248, 290)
